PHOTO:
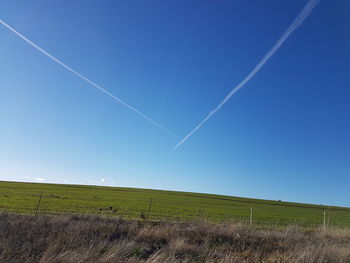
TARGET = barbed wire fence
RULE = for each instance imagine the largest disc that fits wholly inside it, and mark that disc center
(153, 209)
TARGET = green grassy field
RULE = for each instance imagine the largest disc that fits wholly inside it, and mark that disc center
(135, 203)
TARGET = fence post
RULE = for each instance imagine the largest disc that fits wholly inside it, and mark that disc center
(37, 206)
(251, 216)
(324, 219)
(149, 208)
(328, 219)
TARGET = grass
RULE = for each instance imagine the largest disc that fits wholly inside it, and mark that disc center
(84, 239)
(132, 203)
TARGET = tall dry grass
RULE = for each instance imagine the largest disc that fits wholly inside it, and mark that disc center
(78, 239)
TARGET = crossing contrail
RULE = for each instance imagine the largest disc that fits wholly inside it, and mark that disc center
(296, 23)
(83, 77)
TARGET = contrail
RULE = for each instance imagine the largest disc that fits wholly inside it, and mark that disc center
(83, 77)
(296, 23)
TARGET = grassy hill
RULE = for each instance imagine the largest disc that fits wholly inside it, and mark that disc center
(156, 204)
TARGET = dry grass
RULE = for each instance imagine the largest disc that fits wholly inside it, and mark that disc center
(96, 239)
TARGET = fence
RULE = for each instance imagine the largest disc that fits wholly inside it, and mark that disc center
(147, 207)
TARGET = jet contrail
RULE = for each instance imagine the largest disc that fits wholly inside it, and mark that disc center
(296, 23)
(83, 77)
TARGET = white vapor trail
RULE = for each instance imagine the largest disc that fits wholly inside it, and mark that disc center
(83, 77)
(296, 23)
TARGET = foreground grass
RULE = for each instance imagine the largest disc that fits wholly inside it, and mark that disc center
(79, 239)
(134, 203)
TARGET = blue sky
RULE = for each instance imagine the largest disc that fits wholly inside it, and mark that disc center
(285, 135)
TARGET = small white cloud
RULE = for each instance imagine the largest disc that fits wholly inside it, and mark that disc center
(103, 180)
(38, 179)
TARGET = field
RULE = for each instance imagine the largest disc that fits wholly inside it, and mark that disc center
(132, 203)
(97, 239)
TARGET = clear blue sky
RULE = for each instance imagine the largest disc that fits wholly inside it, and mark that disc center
(286, 135)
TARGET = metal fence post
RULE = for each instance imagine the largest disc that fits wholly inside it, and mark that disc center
(37, 206)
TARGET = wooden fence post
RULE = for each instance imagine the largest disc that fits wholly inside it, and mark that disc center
(37, 206)
(324, 219)
(251, 216)
(149, 208)
(328, 220)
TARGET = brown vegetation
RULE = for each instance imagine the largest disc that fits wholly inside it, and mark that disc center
(96, 239)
